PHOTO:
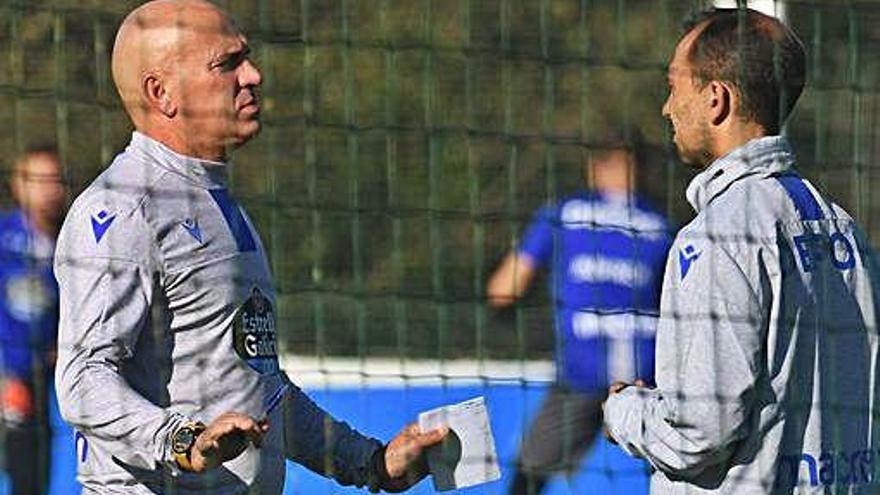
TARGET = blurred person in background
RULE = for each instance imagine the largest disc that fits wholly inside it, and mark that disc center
(605, 249)
(29, 316)
(167, 349)
(767, 345)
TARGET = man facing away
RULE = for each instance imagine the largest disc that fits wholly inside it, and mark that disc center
(767, 346)
(29, 316)
(605, 249)
(167, 345)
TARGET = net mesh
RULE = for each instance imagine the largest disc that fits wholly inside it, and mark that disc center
(406, 143)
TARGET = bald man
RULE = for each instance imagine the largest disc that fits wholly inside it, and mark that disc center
(167, 347)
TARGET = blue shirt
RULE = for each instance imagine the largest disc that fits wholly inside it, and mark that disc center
(28, 299)
(606, 255)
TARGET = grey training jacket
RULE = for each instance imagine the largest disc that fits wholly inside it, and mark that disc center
(167, 316)
(767, 345)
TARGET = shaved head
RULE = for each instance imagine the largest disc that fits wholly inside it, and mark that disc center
(182, 70)
(151, 39)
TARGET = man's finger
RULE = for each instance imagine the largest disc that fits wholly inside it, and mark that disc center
(432, 437)
(255, 435)
(616, 387)
(208, 447)
(230, 433)
(240, 433)
(239, 422)
(608, 436)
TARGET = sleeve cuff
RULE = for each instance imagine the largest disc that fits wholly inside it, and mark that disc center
(623, 420)
(378, 473)
(166, 457)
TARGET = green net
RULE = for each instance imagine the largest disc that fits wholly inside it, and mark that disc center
(406, 142)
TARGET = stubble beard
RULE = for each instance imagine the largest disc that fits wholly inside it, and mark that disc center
(700, 156)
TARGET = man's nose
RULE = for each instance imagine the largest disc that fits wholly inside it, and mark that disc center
(250, 75)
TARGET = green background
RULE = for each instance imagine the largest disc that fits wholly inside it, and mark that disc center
(407, 141)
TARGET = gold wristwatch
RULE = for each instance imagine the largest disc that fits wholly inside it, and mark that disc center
(182, 441)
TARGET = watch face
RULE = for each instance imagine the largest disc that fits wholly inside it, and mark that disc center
(183, 440)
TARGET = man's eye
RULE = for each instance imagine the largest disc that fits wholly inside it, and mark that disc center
(230, 63)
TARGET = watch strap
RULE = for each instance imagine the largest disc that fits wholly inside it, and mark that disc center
(184, 459)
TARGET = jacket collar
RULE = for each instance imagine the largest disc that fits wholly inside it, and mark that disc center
(763, 156)
(205, 173)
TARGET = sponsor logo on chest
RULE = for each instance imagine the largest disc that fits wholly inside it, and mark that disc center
(254, 334)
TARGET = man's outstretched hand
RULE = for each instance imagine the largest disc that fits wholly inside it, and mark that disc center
(225, 439)
(405, 461)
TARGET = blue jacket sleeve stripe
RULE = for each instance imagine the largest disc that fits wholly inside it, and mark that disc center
(804, 202)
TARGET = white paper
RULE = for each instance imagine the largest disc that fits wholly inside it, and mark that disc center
(467, 456)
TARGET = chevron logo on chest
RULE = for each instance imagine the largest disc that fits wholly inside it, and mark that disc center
(686, 258)
(192, 227)
(100, 223)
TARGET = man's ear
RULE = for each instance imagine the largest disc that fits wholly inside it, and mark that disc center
(721, 100)
(157, 95)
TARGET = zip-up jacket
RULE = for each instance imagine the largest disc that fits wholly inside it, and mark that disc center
(767, 345)
(167, 316)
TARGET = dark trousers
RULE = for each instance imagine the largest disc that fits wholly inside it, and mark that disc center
(26, 452)
(27, 440)
(558, 438)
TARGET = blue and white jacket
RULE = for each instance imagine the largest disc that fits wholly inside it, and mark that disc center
(767, 346)
(168, 316)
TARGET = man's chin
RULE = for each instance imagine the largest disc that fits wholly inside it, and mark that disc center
(245, 134)
(254, 131)
(690, 162)
(691, 159)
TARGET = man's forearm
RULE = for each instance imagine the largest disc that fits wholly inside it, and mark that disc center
(325, 445)
(97, 401)
(646, 423)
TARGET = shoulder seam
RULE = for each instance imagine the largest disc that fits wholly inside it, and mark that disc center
(154, 246)
(70, 260)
